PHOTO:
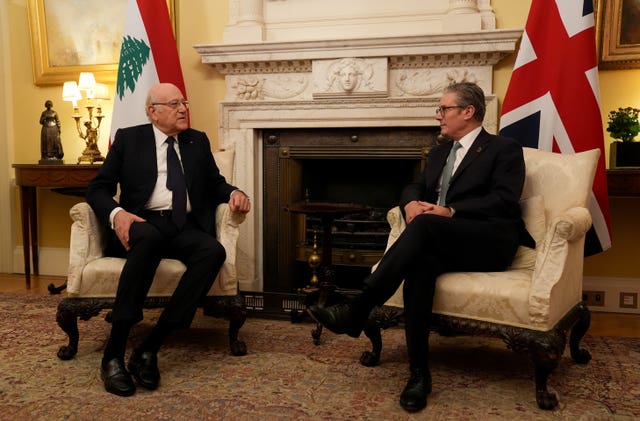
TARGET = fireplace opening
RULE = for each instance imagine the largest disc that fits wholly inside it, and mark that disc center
(375, 183)
(365, 166)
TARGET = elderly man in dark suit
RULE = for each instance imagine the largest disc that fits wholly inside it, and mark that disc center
(170, 187)
(467, 221)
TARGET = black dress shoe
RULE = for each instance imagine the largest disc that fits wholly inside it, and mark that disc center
(348, 317)
(116, 378)
(144, 368)
(414, 395)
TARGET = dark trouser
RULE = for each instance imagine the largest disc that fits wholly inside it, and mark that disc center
(153, 240)
(429, 246)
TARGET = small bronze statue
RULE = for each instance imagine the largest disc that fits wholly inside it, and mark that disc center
(50, 144)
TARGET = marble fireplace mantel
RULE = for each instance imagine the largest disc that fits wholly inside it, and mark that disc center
(394, 81)
(434, 50)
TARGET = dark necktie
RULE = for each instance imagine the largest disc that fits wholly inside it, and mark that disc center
(447, 172)
(176, 183)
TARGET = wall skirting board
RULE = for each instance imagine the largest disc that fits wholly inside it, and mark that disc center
(53, 261)
(618, 295)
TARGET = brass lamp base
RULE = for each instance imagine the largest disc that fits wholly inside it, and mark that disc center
(91, 155)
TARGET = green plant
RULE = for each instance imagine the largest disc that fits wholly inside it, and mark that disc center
(623, 124)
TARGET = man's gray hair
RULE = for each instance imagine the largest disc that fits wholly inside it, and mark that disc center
(469, 94)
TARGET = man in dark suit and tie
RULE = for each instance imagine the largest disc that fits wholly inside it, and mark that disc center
(462, 214)
(170, 187)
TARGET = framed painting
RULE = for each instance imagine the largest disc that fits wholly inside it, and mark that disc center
(73, 36)
(618, 34)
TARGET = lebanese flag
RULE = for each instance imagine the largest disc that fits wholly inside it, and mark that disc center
(148, 56)
(552, 102)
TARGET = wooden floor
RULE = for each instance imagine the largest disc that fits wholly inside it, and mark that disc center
(602, 323)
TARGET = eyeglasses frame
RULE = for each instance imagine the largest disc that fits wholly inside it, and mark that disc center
(173, 104)
(443, 109)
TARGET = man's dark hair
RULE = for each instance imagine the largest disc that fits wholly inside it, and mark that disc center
(469, 94)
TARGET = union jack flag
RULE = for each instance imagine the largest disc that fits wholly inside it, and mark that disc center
(552, 102)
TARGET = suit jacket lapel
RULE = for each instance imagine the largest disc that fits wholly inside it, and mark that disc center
(149, 157)
(437, 161)
(477, 147)
(186, 142)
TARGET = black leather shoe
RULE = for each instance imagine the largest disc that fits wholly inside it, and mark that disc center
(117, 379)
(414, 395)
(144, 368)
(348, 317)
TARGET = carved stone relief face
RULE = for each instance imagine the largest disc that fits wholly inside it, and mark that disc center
(348, 78)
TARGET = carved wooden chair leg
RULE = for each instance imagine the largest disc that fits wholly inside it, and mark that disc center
(372, 358)
(234, 310)
(69, 310)
(544, 398)
(580, 355)
(68, 322)
(237, 318)
(380, 318)
(546, 350)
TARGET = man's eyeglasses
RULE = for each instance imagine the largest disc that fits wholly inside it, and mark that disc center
(442, 109)
(173, 104)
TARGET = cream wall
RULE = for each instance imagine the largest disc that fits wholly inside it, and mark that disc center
(202, 21)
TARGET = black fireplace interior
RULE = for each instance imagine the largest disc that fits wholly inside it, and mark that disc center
(366, 167)
(375, 183)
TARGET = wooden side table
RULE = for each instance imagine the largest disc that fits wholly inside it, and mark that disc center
(623, 182)
(30, 177)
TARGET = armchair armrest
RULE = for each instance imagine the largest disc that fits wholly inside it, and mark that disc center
(86, 244)
(227, 232)
(557, 277)
(397, 225)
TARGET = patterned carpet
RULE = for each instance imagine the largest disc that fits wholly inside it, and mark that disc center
(285, 377)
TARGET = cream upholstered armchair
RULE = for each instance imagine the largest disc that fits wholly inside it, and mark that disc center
(533, 304)
(92, 278)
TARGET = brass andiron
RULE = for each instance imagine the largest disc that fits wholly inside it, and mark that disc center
(314, 261)
(94, 92)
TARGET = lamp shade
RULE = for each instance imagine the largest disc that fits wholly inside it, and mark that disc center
(101, 91)
(71, 92)
(86, 81)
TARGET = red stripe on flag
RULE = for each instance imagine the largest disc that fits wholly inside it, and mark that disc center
(157, 22)
(559, 68)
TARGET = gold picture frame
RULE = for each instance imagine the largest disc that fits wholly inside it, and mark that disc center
(618, 23)
(58, 31)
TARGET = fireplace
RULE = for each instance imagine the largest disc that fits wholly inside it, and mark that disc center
(280, 64)
(364, 166)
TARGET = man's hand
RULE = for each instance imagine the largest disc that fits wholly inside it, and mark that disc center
(239, 202)
(122, 221)
(416, 207)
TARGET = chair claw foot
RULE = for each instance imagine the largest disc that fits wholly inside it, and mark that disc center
(546, 399)
(67, 352)
(238, 348)
(369, 359)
